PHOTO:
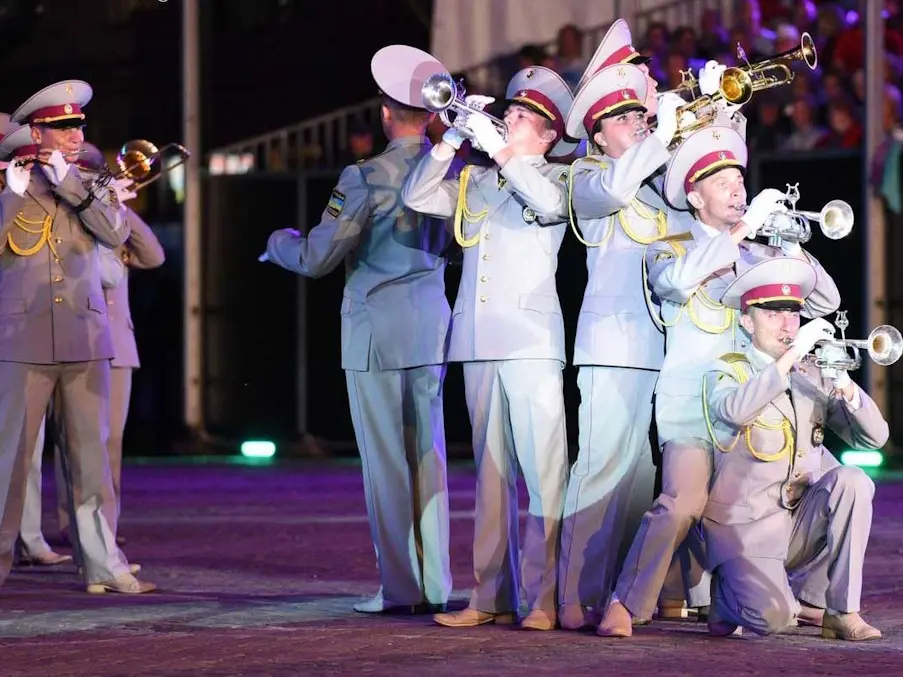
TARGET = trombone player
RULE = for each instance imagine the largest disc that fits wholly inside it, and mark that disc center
(785, 523)
(57, 339)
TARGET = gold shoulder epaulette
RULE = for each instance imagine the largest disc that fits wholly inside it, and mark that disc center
(676, 237)
(732, 358)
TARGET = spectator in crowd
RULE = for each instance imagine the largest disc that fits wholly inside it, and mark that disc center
(806, 132)
(844, 130)
(570, 62)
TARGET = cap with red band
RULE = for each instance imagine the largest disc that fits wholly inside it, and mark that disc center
(784, 281)
(701, 153)
(544, 91)
(615, 48)
(16, 143)
(60, 104)
(612, 90)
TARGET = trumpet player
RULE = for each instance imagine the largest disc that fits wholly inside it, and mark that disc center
(617, 210)
(508, 332)
(786, 526)
(394, 326)
(688, 274)
(616, 47)
(57, 339)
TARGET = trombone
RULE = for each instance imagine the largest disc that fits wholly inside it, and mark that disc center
(884, 346)
(739, 83)
(441, 94)
(835, 221)
(140, 162)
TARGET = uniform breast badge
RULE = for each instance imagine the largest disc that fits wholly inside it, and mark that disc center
(529, 215)
(818, 435)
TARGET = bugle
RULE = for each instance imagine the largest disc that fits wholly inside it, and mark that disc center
(835, 221)
(441, 94)
(884, 346)
(739, 83)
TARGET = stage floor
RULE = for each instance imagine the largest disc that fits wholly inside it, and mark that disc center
(258, 567)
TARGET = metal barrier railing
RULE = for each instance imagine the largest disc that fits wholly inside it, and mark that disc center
(321, 142)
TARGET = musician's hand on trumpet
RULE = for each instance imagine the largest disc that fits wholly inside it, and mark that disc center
(710, 78)
(666, 128)
(484, 135)
(763, 205)
(808, 336)
(841, 381)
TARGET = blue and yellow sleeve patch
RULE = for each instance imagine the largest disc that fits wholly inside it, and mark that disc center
(336, 204)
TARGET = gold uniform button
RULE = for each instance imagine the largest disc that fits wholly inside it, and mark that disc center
(57, 299)
(486, 236)
(58, 240)
(485, 257)
(483, 278)
(57, 278)
(483, 299)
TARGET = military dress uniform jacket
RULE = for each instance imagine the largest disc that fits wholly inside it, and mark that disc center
(769, 449)
(142, 250)
(619, 209)
(394, 301)
(514, 220)
(52, 305)
(688, 274)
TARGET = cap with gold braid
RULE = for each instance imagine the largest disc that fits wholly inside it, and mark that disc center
(780, 283)
(544, 91)
(58, 105)
(615, 48)
(17, 143)
(615, 89)
(700, 155)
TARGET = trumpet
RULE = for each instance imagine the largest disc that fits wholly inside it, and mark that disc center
(835, 221)
(884, 346)
(739, 83)
(140, 162)
(441, 94)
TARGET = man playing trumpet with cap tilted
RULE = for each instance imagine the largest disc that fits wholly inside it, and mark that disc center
(617, 210)
(394, 326)
(56, 334)
(508, 331)
(688, 274)
(784, 520)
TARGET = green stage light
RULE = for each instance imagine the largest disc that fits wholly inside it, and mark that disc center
(863, 459)
(258, 449)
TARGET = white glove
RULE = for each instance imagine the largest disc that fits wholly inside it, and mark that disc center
(791, 249)
(710, 77)
(453, 138)
(477, 101)
(765, 203)
(17, 178)
(686, 119)
(810, 334)
(485, 135)
(120, 186)
(55, 168)
(728, 109)
(668, 103)
(112, 269)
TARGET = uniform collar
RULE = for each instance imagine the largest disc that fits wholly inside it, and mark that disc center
(406, 141)
(534, 160)
(757, 358)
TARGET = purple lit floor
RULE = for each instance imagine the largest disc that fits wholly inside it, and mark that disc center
(259, 566)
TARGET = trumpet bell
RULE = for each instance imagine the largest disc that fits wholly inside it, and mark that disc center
(836, 220)
(438, 92)
(807, 51)
(885, 345)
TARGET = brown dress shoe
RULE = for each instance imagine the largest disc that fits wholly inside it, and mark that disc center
(850, 627)
(538, 619)
(577, 617)
(470, 617)
(810, 615)
(617, 622)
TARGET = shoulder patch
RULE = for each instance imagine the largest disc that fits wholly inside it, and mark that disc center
(336, 204)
